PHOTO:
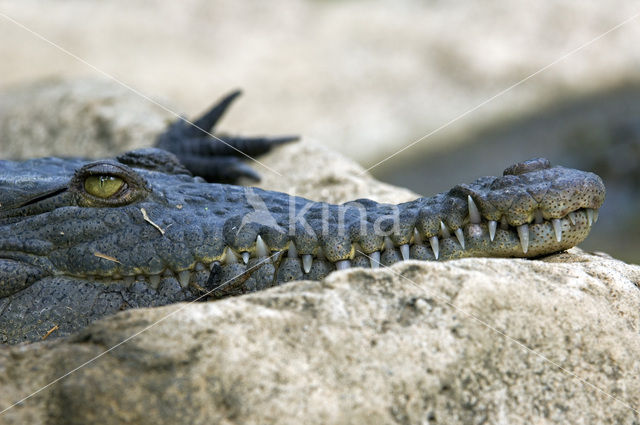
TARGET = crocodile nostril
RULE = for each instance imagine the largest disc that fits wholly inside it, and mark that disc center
(527, 166)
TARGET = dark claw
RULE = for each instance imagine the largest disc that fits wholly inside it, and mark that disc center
(216, 159)
(242, 147)
(209, 119)
(222, 169)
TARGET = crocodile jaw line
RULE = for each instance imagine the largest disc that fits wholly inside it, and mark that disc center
(556, 235)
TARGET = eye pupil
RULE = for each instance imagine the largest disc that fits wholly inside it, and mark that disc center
(103, 186)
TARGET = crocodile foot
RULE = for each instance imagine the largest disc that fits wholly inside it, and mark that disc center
(216, 158)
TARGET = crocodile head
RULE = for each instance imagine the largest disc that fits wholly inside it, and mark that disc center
(81, 239)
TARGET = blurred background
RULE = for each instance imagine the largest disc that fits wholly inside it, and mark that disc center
(481, 84)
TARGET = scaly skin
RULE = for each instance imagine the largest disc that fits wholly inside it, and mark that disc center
(68, 257)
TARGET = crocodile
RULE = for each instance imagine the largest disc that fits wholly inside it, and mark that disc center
(81, 239)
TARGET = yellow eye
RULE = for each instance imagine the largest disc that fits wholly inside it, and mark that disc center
(103, 186)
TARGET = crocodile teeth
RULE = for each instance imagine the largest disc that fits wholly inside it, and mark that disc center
(557, 229)
(184, 277)
(493, 225)
(589, 216)
(460, 235)
(504, 224)
(261, 248)
(374, 259)
(596, 213)
(388, 244)
(154, 281)
(343, 264)
(444, 230)
(417, 237)
(572, 218)
(245, 257)
(435, 246)
(523, 234)
(230, 257)
(307, 261)
(474, 214)
(293, 251)
(404, 250)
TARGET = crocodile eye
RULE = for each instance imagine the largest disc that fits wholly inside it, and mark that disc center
(107, 184)
(103, 186)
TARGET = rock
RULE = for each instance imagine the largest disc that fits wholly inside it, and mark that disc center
(82, 118)
(467, 341)
(311, 171)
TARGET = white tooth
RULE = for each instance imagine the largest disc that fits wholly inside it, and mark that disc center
(293, 252)
(493, 225)
(388, 244)
(572, 218)
(307, 261)
(184, 277)
(589, 216)
(404, 250)
(417, 237)
(444, 230)
(245, 257)
(374, 259)
(474, 214)
(435, 246)
(230, 257)
(538, 218)
(261, 248)
(154, 281)
(596, 213)
(343, 264)
(557, 229)
(523, 234)
(460, 236)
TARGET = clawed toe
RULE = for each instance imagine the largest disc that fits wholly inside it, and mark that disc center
(216, 158)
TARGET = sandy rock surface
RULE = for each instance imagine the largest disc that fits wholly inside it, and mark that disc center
(469, 341)
(82, 118)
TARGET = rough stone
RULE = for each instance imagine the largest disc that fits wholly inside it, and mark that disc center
(470, 341)
(81, 118)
